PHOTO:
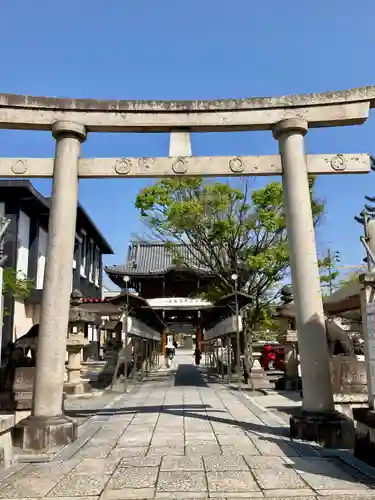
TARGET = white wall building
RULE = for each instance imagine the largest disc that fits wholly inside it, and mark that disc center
(26, 247)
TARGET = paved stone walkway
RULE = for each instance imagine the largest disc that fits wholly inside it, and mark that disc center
(179, 437)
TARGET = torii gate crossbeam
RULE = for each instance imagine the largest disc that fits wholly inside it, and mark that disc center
(206, 166)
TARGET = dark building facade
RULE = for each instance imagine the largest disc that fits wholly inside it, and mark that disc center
(26, 246)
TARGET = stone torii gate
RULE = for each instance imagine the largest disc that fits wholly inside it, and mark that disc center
(289, 118)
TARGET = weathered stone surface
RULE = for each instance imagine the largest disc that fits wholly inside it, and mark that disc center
(43, 433)
(134, 477)
(197, 165)
(231, 482)
(277, 479)
(241, 442)
(6, 445)
(348, 376)
(333, 97)
(334, 430)
(185, 463)
(210, 120)
(6, 422)
(181, 495)
(139, 461)
(90, 451)
(166, 442)
(141, 439)
(70, 498)
(182, 481)
(92, 466)
(203, 450)
(165, 451)
(26, 488)
(74, 485)
(131, 493)
(120, 452)
(35, 480)
(274, 447)
(166, 472)
(264, 462)
(324, 474)
(224, 463)
(286, 494)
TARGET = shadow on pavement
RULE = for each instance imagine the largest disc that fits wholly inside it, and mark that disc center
(301, 456)
(188, 375)
(288, 410)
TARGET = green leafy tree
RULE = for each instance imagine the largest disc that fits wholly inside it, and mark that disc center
(15, 283)
(226, 230)
(329, 273)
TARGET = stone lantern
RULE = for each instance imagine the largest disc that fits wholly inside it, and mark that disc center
(113, 328)
(76, 341)
(288, 338)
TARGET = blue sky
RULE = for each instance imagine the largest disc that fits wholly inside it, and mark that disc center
(208, 49)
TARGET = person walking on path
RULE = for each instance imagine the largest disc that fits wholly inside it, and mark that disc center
(169, 352)
(197, 355)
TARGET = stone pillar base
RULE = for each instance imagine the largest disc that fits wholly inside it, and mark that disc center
(364, 445)
(331, 430)
(44, 433)
(81, 387)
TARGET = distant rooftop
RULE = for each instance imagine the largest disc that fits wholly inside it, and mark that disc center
(155, 258)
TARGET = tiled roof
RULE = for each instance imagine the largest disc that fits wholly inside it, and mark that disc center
(153, 258)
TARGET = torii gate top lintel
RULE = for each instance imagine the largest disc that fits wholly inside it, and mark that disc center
(343, 107)
(294, 100)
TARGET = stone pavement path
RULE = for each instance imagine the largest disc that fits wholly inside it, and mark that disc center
(179, 437)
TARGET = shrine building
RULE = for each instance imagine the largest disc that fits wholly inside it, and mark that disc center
(170, 288)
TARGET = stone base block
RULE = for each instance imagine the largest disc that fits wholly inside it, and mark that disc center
(257, 383)
(364, 446)
(16, 401)
(6, 445)
(330, 430)
(81, 387)
(44, 434)
(345, 403)
(21, 415)
(6, 450)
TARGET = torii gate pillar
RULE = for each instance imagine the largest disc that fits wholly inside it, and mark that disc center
(47, 427)
(318, 420)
